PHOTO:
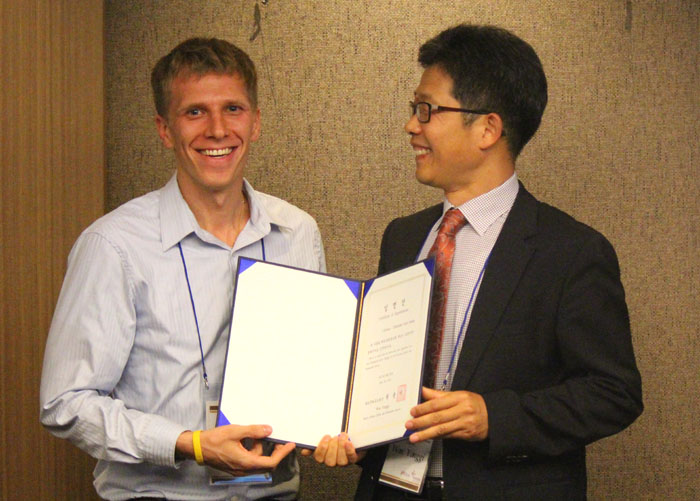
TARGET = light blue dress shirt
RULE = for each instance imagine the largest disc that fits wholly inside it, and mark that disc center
(122, 376)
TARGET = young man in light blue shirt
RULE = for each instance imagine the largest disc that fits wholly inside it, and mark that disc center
(136, 349)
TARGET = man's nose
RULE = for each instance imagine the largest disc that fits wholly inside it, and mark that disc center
(413, 126)
(216, 127)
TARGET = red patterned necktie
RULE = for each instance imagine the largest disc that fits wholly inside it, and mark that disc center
(443, 249)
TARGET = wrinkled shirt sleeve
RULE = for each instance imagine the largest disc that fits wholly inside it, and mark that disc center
(88, 347)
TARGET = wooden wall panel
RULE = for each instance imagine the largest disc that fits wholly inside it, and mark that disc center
(51, 186)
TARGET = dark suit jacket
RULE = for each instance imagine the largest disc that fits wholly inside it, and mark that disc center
(548, 347)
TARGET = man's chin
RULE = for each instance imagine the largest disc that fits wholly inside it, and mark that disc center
(423, 178)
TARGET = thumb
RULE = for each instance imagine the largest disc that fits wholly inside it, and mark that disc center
(252, 431)
(430, 394)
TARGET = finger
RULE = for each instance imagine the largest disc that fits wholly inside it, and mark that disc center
(331, 455)
(422, 419)
(253, 460)
(350, 452)
(341, 458)
(321, 449)
(426, 434)
(434, 401)
(430, 393)
(441, 428)
(306, 452)
(246, 462)
(256, 447)
(278, 454)
(423, 409)
(415, 437)
(436, 418)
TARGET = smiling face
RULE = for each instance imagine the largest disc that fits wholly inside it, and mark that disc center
(447, 151)
(210, 126)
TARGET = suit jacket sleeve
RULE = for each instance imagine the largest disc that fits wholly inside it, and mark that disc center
(593, 389)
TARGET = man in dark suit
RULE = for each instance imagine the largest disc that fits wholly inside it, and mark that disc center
(535, 359)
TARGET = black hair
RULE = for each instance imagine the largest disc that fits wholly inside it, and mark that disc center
(492, 69)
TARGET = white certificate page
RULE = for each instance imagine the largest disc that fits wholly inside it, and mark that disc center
(289, 352)
(387, 379)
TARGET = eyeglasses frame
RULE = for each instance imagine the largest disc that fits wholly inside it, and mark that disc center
(433, 108)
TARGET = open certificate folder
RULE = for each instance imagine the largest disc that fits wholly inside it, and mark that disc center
(312, 354)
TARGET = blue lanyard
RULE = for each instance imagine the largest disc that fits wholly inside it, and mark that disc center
(194, 310)
(464, 321)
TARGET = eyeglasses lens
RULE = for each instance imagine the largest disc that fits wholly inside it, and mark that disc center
(421, 110)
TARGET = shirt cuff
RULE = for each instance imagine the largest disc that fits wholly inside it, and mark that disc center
(159, 441)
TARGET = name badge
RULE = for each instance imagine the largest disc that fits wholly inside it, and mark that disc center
(406, 465)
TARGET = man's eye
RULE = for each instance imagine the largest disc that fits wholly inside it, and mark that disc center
(234, 109)
(194, 112)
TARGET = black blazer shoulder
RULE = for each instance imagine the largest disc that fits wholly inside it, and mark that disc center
(404, 237)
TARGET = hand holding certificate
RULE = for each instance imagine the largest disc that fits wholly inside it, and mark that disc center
(313, 354)
(335, 451)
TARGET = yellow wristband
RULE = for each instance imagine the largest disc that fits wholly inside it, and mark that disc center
(197, 445)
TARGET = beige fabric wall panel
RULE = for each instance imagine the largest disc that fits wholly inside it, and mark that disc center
(617, 149)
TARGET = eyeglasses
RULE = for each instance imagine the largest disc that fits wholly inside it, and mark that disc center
(424, 110)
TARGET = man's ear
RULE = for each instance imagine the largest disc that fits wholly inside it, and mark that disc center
(164, 131)
(492, 130)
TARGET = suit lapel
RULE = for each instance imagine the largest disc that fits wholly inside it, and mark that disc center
(509, 257)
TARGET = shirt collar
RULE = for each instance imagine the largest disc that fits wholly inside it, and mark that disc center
(262, 216)
(177, 220)
(481, 212)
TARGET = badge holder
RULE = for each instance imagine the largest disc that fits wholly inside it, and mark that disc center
(406, 465)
